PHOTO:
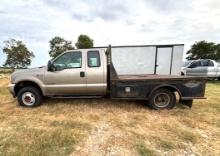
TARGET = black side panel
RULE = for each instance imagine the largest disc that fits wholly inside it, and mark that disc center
(188, 89)
(192, 88)
(129, 89)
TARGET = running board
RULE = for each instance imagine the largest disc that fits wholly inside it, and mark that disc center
(75, 97)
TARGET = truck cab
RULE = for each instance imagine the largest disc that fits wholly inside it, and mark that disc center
(81, 72)
(77, 72)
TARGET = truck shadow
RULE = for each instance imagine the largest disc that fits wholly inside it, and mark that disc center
(100, 102)
(104, 103)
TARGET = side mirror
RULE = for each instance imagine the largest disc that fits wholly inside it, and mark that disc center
(50, 66)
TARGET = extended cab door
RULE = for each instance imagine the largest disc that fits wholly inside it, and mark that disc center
(69, 76)
(96, 72)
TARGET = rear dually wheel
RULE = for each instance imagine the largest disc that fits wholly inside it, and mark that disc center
(162, 99)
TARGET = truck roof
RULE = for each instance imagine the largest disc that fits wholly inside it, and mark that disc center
(150, 45)
(125, 46)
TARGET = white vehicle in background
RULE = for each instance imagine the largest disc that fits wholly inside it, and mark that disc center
(204, 67)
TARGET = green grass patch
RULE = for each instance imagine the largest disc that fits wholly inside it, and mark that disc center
(188, 136)
(182, 133)
(143, 150)
(163, 143)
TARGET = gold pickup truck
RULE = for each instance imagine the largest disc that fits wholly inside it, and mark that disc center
(90, 73)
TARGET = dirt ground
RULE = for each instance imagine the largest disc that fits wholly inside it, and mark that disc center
(107, 127)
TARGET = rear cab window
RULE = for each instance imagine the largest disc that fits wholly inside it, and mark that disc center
(93, 58)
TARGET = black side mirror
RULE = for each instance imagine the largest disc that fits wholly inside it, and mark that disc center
(50, 66)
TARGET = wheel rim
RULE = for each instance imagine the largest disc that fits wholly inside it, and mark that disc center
(162, 100)
(28, 98)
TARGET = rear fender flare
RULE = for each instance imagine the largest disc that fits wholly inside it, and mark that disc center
(166, 86)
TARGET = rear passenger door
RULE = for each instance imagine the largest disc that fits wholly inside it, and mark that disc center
(209, 68)
(96, 72)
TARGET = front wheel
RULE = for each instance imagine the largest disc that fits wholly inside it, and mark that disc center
(29, 97)
(162, 99)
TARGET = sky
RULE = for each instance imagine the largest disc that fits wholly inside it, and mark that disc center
(115, 22)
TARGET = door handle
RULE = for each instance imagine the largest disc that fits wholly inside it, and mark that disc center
(82, 74)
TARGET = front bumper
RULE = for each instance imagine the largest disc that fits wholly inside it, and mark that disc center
(11, 88)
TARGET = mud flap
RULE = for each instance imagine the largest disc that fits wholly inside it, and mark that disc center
(187, 102)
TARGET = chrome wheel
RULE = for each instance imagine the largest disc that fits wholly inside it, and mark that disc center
(28, 98)
(162, 100)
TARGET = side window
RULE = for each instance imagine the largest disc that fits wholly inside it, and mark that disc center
(69, 60)
(195, 64)
(205, 63)
(93, 59)
(211, 64)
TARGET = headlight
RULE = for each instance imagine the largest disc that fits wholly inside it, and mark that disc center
(11, 78)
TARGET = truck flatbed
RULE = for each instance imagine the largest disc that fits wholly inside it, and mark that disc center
(154, 76)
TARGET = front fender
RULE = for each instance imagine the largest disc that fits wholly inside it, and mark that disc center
(30, 78)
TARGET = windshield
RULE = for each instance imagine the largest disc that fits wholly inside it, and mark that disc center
(187, 63)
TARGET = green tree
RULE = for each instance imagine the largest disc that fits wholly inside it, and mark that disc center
(217, 52)
(18, 55)
(84, 41)
(58, 45)
(204, 50)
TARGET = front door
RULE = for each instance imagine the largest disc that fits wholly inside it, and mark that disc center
(163, 60)
(69, 77)
(195, 69)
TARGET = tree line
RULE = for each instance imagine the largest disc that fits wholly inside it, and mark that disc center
(19, 56)
(204, 50)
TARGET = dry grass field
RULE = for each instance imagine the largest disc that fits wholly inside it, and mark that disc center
(106, 127)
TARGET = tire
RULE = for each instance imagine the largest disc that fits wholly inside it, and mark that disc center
(29, 97)
(219, 78)
(162, 99)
